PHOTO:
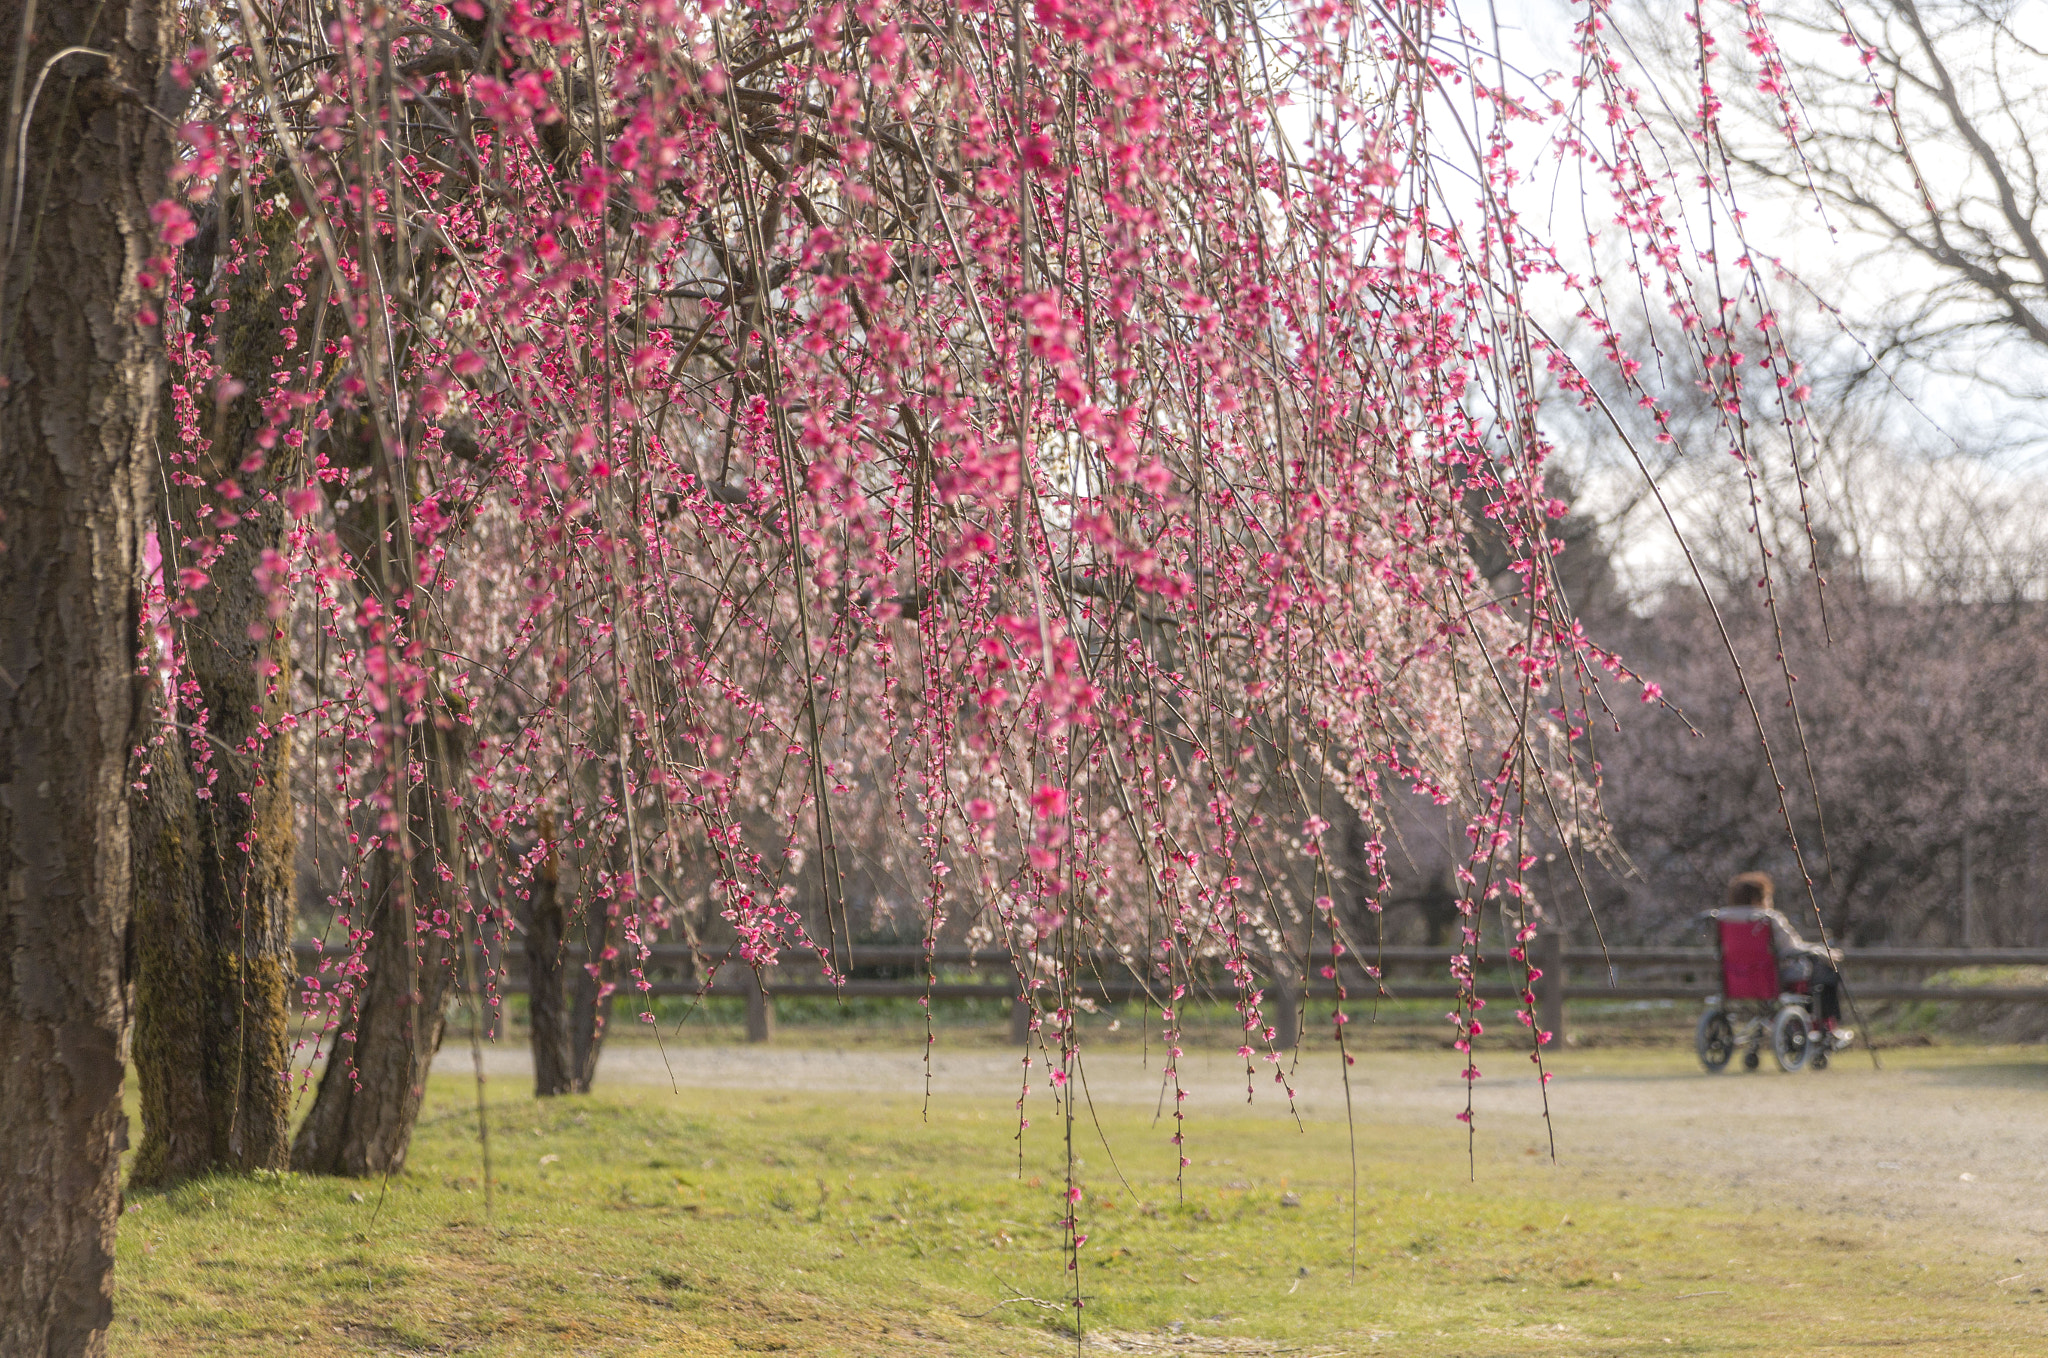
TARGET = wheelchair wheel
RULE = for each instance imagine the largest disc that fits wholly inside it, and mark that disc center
(1715, 1041)
(1792, 1039)
(1750, 1060)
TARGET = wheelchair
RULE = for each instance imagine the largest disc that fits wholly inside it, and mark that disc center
(1753, 1008)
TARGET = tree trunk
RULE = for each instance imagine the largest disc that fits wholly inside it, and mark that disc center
(213, 941)
(76, 410)
(549, 1018)
(594, 982)
(369, 1098)
(171, 1056)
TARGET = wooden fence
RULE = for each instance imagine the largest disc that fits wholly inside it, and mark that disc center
(1575, 973)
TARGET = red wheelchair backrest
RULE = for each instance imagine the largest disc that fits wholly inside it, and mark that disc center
(1749, 967)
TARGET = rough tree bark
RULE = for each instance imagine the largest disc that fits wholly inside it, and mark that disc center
(170, 1016)
(77, 403)
(549, 1019)
(213, 906)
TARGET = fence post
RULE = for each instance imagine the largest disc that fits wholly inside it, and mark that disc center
(1020, 1021)
(1546, 954)
(1283, 1010)
(760, 1007)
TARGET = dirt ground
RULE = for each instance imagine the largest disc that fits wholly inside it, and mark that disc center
(1945, 1137)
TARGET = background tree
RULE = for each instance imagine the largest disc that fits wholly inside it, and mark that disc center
(1928, 163)
(1917, 675)
(1915, 668)
(1921, 722)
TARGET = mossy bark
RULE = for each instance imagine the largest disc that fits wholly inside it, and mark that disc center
(170, 1028)
(214, 878)
(213, 998)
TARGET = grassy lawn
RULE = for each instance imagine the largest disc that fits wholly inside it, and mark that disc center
(645, 1221)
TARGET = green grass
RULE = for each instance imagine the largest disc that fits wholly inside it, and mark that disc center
(890, 1023)
(642, 1221)
(894, 1024)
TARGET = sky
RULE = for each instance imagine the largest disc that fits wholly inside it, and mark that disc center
(1944, 444)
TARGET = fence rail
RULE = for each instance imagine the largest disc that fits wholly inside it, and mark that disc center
(1570, 974)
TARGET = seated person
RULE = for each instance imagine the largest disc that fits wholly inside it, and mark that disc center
(1749, 899)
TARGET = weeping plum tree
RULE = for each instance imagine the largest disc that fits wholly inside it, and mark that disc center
(702, 442)
(1043, 443)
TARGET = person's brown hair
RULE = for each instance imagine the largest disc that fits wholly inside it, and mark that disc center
(1750, 888)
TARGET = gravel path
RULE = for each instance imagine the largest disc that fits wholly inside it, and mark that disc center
(1955, 1137)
